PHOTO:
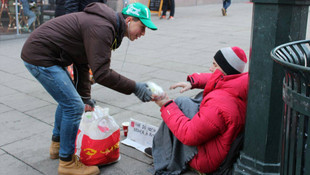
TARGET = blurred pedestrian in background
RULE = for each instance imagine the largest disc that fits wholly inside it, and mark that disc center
(29, 13)
(168, 5)
(226, 4)
(72, 6)
(60, 8)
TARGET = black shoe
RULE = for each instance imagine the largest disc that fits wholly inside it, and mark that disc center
(148, 152)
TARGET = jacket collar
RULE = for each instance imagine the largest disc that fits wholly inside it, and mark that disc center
(120, 29)
(216, 76)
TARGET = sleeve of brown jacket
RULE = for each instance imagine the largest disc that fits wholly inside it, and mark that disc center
(81, 76)
(98, 40)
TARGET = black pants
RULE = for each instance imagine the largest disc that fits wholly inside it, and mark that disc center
(168, 5)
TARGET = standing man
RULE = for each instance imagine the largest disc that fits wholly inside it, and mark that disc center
(85, 39)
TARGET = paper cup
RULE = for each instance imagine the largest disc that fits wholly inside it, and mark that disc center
(125, 128)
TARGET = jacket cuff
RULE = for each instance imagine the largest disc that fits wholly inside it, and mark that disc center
(168, 103)
(84, 99)
(191, 80)
(169, 109)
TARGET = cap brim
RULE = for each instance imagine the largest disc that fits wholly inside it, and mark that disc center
(149, 24)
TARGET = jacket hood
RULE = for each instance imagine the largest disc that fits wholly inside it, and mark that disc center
(109, 14)
(102, 10)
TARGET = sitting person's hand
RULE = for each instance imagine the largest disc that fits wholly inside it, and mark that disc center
(184, 85)
(158, 97)
(162, 101)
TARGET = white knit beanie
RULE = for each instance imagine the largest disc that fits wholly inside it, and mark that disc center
(232, 60)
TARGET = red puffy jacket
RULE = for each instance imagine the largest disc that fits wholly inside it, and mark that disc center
(219, 120)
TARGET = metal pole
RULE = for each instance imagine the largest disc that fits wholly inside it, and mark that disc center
(274, 23)
(125, 3)
(16, 18)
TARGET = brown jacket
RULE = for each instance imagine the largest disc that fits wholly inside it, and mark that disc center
(85, 39)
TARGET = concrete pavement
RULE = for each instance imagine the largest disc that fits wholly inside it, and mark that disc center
(180, 47)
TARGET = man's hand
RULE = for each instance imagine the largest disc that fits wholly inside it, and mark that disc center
(143, 92)
(185, 86)
(89, 104)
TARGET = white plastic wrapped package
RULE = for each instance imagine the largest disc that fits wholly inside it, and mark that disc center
(157, 91)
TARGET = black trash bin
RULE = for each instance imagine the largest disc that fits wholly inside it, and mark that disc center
(295, 153)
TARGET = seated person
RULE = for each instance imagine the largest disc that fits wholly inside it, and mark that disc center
(199, 132)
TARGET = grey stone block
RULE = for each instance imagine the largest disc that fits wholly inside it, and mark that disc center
(44, 114)
(17, 126)
(11, 165)
(22, 102)
(34, 152)
(4, 108)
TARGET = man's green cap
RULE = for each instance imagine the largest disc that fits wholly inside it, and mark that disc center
(142, 12)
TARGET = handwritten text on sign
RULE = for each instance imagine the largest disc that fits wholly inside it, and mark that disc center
(142, 133)
(142, 128)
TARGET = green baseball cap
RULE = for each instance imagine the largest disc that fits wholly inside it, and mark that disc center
(142, 12)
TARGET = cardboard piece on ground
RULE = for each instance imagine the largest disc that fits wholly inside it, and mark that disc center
(140, 135)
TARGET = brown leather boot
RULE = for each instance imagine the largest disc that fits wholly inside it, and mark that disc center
(75, 167)
(54, 150)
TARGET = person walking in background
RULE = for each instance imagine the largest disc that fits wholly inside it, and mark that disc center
(72, 6)
(199, 132)
(60, 8)
(86, 38)
(166, 5)
(29, 13)
(69, 6)
(226, 4)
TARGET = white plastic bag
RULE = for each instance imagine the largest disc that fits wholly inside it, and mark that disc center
(98, 137)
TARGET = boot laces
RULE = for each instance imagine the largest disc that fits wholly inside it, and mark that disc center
(78, 163)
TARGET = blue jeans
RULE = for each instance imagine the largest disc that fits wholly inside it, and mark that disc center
(27, 12)
(57, 83)
(226, 4)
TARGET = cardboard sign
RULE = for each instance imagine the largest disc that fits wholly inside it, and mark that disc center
(140, 135)
(155, 6)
